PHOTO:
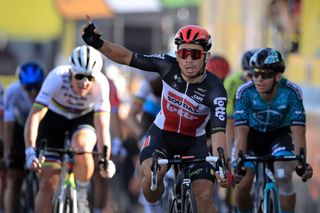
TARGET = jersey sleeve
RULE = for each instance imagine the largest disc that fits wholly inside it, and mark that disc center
(160, 63)
(218, 117)
(101, 92)
(296, 111)
(242, 104)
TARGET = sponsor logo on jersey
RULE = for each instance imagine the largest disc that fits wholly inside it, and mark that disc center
(201, 90)
(161, 56)
(220, 109)
(197, 98)
(174, 99)
(268, 117)
(200, 94)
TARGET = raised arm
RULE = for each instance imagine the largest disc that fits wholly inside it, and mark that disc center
(114, 52)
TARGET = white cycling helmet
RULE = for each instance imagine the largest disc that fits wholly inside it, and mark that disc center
(86, 60)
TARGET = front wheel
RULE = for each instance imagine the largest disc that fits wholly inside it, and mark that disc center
(66, 201)
(189, 204)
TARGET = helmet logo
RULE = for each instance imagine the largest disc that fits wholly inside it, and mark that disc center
(272, 57)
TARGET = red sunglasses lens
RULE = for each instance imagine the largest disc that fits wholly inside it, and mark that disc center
(194, 53)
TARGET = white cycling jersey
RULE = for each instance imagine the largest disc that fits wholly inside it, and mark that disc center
(57, 94)
(17, 104)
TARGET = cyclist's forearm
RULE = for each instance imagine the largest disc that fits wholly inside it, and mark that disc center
(241, 134)
(31, 127)
(218, 139)
(116, 53)
(102, 126)
(229, 137)
(299, 138)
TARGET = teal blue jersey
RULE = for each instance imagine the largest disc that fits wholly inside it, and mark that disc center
(285, 109)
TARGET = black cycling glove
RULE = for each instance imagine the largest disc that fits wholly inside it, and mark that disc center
(92, 38)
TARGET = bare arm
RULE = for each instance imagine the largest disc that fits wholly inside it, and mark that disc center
(218, 140)
(241, 133)
(102, 125)
(31, 128)
(114, 52)
(229, 136)
(299, 137)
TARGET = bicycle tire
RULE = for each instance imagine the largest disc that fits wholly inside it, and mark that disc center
(272, 204)
(189, 204)
(29, 191)
(65, 201)
(174, 206)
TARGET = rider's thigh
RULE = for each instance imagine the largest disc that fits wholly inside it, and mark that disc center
(48, 179)
(84, 138)
(202, 189)
(247, 180)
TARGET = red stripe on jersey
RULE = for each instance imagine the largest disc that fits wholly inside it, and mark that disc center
(146, 142)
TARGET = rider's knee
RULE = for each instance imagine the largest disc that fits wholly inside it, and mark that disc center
(84, 138)
(204, 195)
(283, 176)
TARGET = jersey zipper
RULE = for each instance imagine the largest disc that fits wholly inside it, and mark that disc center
(180, 111)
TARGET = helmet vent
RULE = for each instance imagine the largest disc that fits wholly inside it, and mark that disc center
(195, 36)
(79, 58)
(88, 58)
(188, 34)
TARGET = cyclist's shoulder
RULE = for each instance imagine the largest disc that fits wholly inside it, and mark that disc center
(14, 87)
(291, 87)
(245, 88)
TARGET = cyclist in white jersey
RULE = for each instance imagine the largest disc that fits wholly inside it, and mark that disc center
(18, 101)
(74, 98)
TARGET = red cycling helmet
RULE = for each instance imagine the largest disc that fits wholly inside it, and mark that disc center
(193, 34)
(219, 66)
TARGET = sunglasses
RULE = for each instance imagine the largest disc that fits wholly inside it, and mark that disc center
(81, 77)
(264, 75)
(194, 53)
(31, 87)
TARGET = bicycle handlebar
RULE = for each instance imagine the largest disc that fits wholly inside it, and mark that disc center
(155, 166)
(269, 159)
